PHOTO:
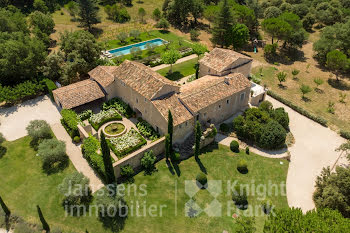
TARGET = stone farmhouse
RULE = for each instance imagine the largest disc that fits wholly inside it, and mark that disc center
(213, 98)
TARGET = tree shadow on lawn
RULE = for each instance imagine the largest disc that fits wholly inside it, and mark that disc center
(3, 151)
(200, 164)
(174, 76)
(173, 167)
(115, 224)
(56, 167)
(340, 85)
(281, 86)
(305, 99)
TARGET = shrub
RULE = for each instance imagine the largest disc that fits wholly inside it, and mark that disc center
(50, 86)
(298, 109)
(201, 178)
(53, 155)
(70, 122)
(247, 150)
(21, 92)
(281, 117)
(89, 149)
(147, 130)
(38, 130)
(194, 34)
(135, 33)
(163, 24)
(76, 191)
(266, 206)
(99, 119)
(213, 132)
(224, 127)
(127, 171)
(234, 146)
(345, 134)
(239, 197)
(270, 50)
(273, 136)
(122, 107)
(148, 160)
(242, 166)
(266, 106)
(85, 115)
(76, 139)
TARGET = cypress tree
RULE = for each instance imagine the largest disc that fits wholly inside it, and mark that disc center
(4, 207)
(223, 26)
(88, 13)
(167, 146)
(198, 135)
(107, 161)
(42, 220)
(170, 130)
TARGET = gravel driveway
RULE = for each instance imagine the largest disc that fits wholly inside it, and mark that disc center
(314, 149)
(15, 119)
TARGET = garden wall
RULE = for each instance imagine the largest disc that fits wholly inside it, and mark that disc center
(134, 159)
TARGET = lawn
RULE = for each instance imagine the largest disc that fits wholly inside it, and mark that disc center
(165, 187)
(26, 186)
(180, 70)
(317, 101)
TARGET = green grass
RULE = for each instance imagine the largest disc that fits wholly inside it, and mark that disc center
(26, 186)
(220, 164)
(180, 70)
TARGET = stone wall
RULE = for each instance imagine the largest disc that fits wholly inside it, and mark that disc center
(134, 159)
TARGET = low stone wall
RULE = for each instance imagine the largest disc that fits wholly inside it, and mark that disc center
(207, 141)
(85, 131)
(134, 159)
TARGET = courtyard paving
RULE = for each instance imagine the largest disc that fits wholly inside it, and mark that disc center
(15, 119)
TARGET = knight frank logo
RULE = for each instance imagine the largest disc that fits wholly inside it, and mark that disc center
(212, 209)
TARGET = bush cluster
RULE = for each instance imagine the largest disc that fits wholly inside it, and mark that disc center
(53, 154)
(300, 110)
(201, 178)
(242, 166)
(224, 127)
(148, 160)
(70, 121)
(122, 107)
(38, 130)
(234, 146)
(127, 171)
(89, 149)
(147, 130)
(117, 13)
(263, 126)
(85, 115)
(21, 92)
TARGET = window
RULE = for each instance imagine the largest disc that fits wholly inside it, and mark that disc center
(145, 99)
(197, 117)
(219, 105)
(137, 100)
(186, 123)
(227, 101)
(205, 114)
(242, 96)
(180, 126)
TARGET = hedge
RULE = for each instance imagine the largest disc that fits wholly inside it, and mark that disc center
(345, 134)
(128, 150)
(50, 86)
(70, 122)
(298, 109)
(122, 107)
(97, 126)
(89, 149)
(147, 130)
(21, 92)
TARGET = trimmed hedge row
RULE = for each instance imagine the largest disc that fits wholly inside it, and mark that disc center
(128, 150)
(70, 122)
(89, 149)
(97, 126)
(21, 92)
(298, 109)
(345, 134)
(50, 86)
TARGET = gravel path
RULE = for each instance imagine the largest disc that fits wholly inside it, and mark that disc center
(15, 119)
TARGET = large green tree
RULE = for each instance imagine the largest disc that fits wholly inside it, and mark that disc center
(221, 32)
(240, 36)
(88, 13)
(107, 160)
(42, 26)
(336, 62)
(276, 28)
(170, 57)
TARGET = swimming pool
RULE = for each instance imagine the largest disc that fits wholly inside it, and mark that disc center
(142, 45)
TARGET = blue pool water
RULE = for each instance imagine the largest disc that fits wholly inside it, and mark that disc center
(142, 45)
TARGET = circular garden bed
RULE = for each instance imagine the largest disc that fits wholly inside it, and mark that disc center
(114, 129)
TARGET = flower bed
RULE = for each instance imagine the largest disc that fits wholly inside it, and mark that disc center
(122, 107)
(97, 120)
(127, 143)
(147, 130)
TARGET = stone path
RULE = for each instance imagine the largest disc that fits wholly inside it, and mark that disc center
(75, 155)
(177, 62)
(15, 119)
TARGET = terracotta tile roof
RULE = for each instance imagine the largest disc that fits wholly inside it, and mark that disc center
(178, 110)
(103, 75)
(208, 90)
(142, 79)
(79, 93)
(220, 59)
